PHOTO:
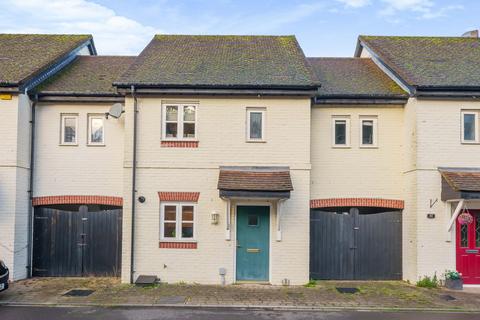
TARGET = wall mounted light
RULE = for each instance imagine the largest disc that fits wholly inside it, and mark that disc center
(215, 217)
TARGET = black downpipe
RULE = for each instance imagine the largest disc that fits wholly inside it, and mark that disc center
(134, 191)
(30, 191)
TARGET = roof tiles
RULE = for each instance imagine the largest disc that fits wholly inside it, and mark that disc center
(221, 62)
(353, 77)
(22, 56)
(430, 61)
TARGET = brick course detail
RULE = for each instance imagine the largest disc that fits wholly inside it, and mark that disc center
(357, 202)
(179, 144)
(179, 196)
(104, 200)
(178, 245)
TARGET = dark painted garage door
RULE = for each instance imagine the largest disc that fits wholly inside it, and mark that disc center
(347, 245)
(77, 241)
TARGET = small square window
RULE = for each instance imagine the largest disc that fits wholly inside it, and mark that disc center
(341, 132)
(368, 132)
(177, 221)
(470, 126)
(252, 220)
(255, 124)
(179, 122)
(69, 127)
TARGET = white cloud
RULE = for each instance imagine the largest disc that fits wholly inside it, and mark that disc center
(425, 9)
(113, 34)
(355, 3)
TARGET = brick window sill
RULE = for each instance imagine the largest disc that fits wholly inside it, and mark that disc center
(178, 245)
(178, 144)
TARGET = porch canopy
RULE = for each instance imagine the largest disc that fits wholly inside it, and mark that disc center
(460, 183)
(255, 182)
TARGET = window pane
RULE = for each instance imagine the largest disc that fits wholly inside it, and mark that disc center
(172, 113)
(367, 132)
(189, 113)
(252, 220)
(169, 230)
(187, 213)
(187, 230)
(96, 127)
(477, 231)
(170, 213)
(464, 236)
(189, 130)
(340, 132)
(70, 129)
(255, 125)
(171, 130)
(469, 127)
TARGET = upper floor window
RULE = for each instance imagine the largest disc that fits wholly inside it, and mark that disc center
(179, 122)
(177, 221)
(470, 126)
(96, 132)
(368, 131)
(69, 127)
(341, 131)
(256, 124)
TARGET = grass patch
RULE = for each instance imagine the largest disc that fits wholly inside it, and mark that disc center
(428, 282)
(310, 284)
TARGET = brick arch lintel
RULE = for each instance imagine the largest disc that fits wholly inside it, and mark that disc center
(77, 199)
(357, 202)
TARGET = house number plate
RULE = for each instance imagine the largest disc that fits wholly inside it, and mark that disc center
(253, 250)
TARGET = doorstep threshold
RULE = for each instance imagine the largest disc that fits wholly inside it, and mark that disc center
(265, 282)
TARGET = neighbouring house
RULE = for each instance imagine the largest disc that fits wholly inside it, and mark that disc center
(442, 153)
(78, 173)
(230, 159)
(25, 61)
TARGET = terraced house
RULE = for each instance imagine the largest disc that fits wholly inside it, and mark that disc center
(224, 159)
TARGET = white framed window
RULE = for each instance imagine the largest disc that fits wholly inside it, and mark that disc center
(96, 129)
(69, 129)
(177, 221)
(368, 132)
(256, 124)
(341, 131)
(179, 121)
(470, 126)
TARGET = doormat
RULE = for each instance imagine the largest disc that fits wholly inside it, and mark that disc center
(447, 297)
(347, 290)
(79, 293)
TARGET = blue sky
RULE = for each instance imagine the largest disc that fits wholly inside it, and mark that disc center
(323, 28)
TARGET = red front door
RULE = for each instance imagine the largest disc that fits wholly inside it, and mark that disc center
(468, 249)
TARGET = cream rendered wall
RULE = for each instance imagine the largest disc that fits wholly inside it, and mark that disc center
(409, 185)
(14, 180)
(221, 134)
(438, 126)
(80, 169)
(356, 171)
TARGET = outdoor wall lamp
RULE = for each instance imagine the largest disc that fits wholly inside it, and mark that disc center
(215, 217)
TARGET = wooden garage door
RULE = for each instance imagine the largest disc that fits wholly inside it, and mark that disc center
(353, 246)
(77, 243)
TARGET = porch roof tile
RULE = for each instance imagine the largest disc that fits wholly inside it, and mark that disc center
(255, 179)
(462, 179)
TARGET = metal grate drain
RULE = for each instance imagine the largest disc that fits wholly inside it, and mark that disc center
(79, 293)
(447, 297)
(347, 290)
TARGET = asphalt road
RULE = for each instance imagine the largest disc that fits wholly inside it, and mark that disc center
(92, 313)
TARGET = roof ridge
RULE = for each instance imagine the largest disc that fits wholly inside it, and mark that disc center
(223, 35)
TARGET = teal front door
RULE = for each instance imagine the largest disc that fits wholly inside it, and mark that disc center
(253, 230)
